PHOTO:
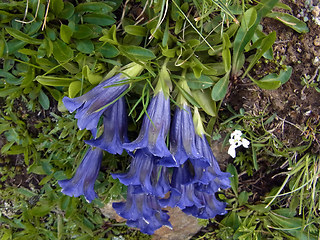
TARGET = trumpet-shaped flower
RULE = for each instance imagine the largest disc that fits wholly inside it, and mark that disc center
(154, 130)
(88, 105)
(212, 172)
(142, 211)
(115, 129)
(182, 191)
(210, 206)
(236, 140)
(182, 139)
(82, 183)
(144, 172)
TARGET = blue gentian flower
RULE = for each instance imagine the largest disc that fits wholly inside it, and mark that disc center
(88, 105)
(211, 206)
(182, 138)
(115, 128)
(211, 173)
(144, 172)
(153, 133)
(83, 181)
(142, 211)
(182, 189)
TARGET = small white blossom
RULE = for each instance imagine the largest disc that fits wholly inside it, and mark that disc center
(236, 140)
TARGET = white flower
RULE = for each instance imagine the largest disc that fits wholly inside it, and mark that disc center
(236, 140)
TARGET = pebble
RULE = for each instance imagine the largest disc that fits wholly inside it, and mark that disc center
(316, 41)
(316, 11)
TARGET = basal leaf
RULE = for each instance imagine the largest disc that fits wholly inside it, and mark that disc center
(54, 81)
(198, 83)
(8, 90)
(44, 100)
(269, 82)
(290, 21)
(247, 29)
(74, 88)
(67, 11)
(22, 36)
(65, 33)
(56, 6)
(234, 178)
(220, 89)
(140, 53)
(82, 31)
(135, 30)
(99, 19)
(205, 101)
(95, 7)
(61, 51)
(285, 75)
(108, 50)
(85, 46)
(265, 45)
(273, 80)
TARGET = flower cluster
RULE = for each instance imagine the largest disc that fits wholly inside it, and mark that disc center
(182, 174)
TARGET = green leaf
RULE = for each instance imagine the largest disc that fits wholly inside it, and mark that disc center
(265, 45)
(26, 192)
(260, 208)
(95, 7)
(74, 88)
(234, 178)
(110, 35)
(8, 90)
(198, 83)
(220, 89)
(92, 77)
(247, 29)
(82, 31)
(54, 81)
(61, 51)
(56, 94)
(65, 33)
(108, 50)
(290, 21)
(99, 19)
(205, 101)
(67, 11)
(41, 211)
(269, 82)
(243, 198)
(273, 80)
(44, 100)
(56, 6)
(85, 46)
(285, 75)
(139, 53)
(22, 36)
(135, 30)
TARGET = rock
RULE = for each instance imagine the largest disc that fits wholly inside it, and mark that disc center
(184, 226)
(109, 212)
(316, 11)
(316, 41)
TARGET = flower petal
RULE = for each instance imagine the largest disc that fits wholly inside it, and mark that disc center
(153, 133)
(88, 105)
(115, 129)
(182, 138)
(82, 183)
